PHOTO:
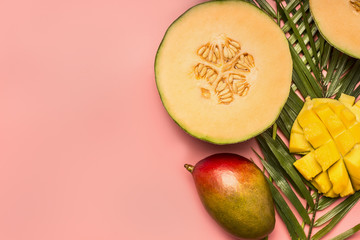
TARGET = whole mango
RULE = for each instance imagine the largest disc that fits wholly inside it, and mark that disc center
(236, 194)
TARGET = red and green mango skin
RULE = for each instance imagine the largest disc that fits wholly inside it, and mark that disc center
(236, 194)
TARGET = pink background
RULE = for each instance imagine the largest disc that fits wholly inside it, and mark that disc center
(87, 150)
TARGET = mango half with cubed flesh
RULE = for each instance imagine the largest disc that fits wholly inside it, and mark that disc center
(327, 134)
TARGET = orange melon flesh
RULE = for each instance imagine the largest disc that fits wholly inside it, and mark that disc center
(339, 23)
(192, 101)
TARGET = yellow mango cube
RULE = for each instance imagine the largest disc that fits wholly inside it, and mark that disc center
(331, 121)
(338, 176)
(345, 142)
(327, 155)
(337, 107)
(352, 162)
(356, 111)
(307, 117)
(355, 182)
(347, 117)
(319, 101)
(307, 166)
(296, 128)
(316, 134)
(355, 131)
(331, 194)
(349, 190)
(298, 143)
(322, 110)
(322, 182)
(356, 106)
(347, 100)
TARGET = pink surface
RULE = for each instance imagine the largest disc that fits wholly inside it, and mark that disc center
(87, 150)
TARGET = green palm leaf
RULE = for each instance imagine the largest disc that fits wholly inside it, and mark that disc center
(347, 233)
(338, 209)
(293, 226)
(320, 70)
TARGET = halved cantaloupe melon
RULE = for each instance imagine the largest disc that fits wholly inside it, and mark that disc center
(223, 71)
(332, 129)
(339, 23)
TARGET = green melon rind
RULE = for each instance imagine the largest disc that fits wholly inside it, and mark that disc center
(341, 49)
(199, 135)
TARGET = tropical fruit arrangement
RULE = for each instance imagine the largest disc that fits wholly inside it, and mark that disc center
(227, 71)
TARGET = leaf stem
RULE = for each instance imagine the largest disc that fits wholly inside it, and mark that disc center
(313, 215)
(307, 210)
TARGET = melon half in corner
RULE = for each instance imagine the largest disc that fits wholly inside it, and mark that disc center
(223, 71)
(339, 23)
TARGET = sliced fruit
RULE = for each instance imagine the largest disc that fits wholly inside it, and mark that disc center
(349, 190)
(308, 117)
(336, 106)
(214, 70)
(332, 129)
(355, 182)
(298, 141)
(347, 117)
(352, 162)
(347, 100)
(356, 110)
(322, 182)
(355, 131)
(331, 121)
(338, 176)
(326, 155)
(296, 128)
(316, 134)
(339, 23)
(299, 144)
(308, 166)
(331, 194)
(345, 142)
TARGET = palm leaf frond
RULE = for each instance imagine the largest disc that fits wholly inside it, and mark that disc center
(319, 70)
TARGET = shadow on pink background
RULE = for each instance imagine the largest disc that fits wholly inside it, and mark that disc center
(87, 150)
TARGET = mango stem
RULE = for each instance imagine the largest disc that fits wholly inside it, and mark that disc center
(189, 167)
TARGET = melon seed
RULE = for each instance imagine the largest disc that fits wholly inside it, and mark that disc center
(226, 66)
(355, 4)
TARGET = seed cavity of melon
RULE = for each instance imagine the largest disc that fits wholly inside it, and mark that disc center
(225, 68)
(327, 133)
(355, 4)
